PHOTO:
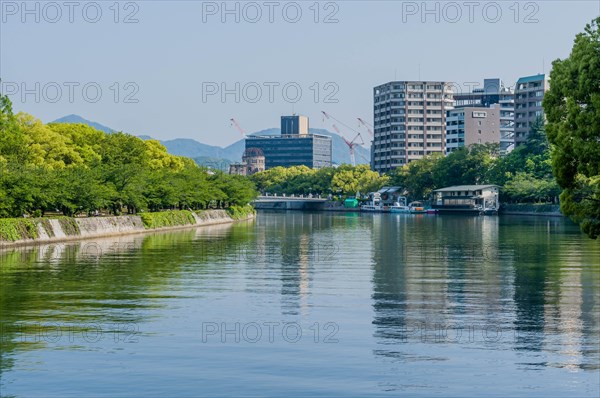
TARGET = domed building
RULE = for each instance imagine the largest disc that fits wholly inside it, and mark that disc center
(253, 161)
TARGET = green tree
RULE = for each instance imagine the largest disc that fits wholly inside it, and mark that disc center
(572, 107)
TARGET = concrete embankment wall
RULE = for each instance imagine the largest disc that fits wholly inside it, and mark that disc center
(41, 230)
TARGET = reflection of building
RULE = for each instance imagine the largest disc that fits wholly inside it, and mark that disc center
(294, 147)
(410, 122)
(253, 161)
(529, 94)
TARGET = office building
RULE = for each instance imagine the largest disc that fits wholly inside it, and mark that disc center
(295, 148)
(529, 93)
(294, 125)
(410, 122)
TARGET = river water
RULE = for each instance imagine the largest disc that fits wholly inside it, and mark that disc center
(303, 304)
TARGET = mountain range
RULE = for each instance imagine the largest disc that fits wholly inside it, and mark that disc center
(209, 154)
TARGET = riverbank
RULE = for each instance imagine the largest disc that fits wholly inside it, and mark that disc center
(525, 209)
(30, 231)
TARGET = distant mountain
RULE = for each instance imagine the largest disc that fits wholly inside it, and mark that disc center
(213, 163)
(209, 154)
(79, 119)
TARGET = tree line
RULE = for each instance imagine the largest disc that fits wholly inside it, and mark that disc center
(74, 168)
(345, 180)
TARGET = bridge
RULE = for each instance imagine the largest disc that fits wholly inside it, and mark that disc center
(289, 203)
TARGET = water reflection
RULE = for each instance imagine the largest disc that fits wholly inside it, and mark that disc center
(531, 287)
(423, 305)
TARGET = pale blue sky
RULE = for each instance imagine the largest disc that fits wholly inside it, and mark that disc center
(170, 53)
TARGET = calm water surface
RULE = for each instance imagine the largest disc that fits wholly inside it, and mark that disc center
(307, 304)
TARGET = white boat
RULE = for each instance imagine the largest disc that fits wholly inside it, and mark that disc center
(372, 208)
(400, 206)
(374, 205)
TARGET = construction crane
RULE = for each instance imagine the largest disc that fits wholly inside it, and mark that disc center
(367, 126)
(351, 144)
(238, 127)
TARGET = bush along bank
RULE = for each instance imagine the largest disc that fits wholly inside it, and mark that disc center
(241, 212)
(32, 230)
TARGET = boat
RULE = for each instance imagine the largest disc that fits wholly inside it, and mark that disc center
(400, 206)
(374, 205)
(371, 208)
(416, 208)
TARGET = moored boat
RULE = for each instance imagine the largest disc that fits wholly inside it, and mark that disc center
(416, 208)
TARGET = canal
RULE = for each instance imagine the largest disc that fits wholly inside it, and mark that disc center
(308, 304)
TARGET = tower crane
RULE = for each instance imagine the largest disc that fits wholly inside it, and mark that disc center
(367, 126)
(238, 127)
(351, 144)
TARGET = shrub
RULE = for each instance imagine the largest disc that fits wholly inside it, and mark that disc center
(12, 229)
(240, 212)
(167, 219)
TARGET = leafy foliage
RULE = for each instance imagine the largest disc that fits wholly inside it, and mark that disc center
(13, 229)
(300, 180)
(167, 219)
(74, 169)
(240, 212)
(572, 106)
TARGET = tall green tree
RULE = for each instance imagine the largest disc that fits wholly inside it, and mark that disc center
(572, 107)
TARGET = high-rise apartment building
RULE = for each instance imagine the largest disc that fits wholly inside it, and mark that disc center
(409, 121)
(529, 93)
(472, 125)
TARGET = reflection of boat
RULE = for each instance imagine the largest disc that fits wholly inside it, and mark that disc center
(416, 207)
(489, 211)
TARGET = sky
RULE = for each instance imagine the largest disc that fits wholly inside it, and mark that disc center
(182, 69)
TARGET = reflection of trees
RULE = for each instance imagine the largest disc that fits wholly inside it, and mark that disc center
(103, 281)
(557, 289)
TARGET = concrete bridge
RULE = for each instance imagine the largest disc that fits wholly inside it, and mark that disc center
(289, 203)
